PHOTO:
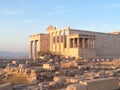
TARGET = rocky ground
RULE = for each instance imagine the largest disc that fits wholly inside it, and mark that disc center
(55, 73)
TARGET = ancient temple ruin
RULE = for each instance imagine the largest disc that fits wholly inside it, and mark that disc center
(75, 43)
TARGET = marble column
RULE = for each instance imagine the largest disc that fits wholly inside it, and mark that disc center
(83, 43)
(30, 55)
(78, 43)
(93, 43)
(90, 46)
(73, 42)
(63, 39)
(55, 42)
(51, 42)
(35, 49)
(59, 41)
(88, 43)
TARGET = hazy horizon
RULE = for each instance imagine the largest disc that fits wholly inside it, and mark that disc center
(21, 18)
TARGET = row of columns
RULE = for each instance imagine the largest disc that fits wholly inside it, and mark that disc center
(33, 50)
(82, 42)
(53, 40)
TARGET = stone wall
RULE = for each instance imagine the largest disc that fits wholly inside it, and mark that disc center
(107, 45)
(44, 42)
(87, 53)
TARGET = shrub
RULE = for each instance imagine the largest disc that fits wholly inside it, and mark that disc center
(42, 53)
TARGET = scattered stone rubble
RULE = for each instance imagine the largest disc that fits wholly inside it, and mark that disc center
(59, 73)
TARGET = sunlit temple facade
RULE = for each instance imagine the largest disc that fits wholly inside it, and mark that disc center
(75, 43)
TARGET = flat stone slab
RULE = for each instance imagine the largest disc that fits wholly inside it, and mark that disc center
(111, 83)
(6, 86)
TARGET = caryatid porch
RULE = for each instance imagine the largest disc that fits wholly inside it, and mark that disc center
(82, 45)
(82, 41)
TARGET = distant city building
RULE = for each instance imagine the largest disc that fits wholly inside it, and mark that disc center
(75, 43)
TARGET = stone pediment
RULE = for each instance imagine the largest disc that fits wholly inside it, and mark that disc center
(51, 27)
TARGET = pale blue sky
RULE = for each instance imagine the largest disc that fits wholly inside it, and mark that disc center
(21, 18)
